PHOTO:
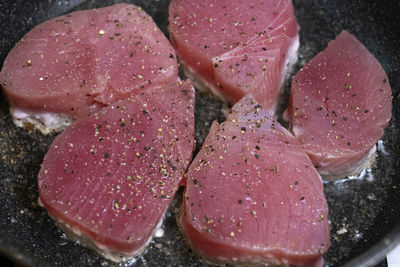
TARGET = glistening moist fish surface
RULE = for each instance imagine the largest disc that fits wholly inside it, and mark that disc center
(362, 210)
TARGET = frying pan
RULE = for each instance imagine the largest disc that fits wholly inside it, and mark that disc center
(364, 210)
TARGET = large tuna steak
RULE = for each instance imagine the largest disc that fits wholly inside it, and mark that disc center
(253, 196)
(110, 177)
(236, 47)
(339, 107)
(79, 62)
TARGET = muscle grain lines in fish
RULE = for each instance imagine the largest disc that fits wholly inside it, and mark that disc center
(252, 195)
(110, 177)
(236, 47)
(73, 65)
(339, 107)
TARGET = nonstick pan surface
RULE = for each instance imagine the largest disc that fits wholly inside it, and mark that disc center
(364, 211)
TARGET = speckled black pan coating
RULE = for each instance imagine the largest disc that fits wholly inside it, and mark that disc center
(365, 213)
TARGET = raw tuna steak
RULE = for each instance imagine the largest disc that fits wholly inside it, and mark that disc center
(79, 62)
(339, 107)
(110, 177)
(253, 196)
(236, 47)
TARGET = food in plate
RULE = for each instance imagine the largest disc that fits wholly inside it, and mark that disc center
(236, 47)
(73, 65)
(252, 195)
(109, 178)
(340, 104)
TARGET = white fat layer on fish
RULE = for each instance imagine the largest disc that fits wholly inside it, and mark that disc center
(44, 121)
(76, 235)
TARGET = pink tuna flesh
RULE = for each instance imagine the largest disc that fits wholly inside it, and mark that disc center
(339, 107)
(111, 176)
(253, 196)
(79, 62)
(236, 47)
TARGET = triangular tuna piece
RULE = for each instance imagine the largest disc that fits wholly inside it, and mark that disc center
(82, 61)
(110, 177)
(339, 107)
(236, 47)
(253, 196)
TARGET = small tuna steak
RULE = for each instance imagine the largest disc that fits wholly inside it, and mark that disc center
(236, 47)
(252, 195)
(110, 177)
(339, 107)
(72, 65)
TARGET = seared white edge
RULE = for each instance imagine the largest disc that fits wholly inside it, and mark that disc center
(340, 173)
(290, 61)
(76, 235)
(44, 121)
(201, 83)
